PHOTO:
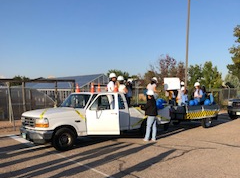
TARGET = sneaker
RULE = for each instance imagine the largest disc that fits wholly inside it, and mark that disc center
(145, 140)
(154, 140)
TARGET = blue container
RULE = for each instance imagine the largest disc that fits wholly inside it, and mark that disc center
(159, 103)
(195, 102)
(191, 103)
(207, 102)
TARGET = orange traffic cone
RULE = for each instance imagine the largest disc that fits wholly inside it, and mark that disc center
(77, 90)
(92, 88)
(99, 88)
(115, 88)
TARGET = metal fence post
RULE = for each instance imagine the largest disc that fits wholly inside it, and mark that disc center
(23, 97)
(11, 116)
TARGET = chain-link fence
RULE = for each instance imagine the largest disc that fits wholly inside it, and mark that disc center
(12, 102)
(222, 96)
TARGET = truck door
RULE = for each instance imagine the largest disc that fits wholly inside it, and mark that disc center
(102, 115)
(124, 117)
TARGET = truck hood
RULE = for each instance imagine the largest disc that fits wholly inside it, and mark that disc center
(235, 100)
(54, 112)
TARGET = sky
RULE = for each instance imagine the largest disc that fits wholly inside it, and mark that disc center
(42, 38)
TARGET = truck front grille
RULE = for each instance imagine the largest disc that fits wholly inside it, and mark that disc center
(30, 122)
(236, 104)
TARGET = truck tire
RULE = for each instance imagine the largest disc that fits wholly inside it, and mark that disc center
(233, 117)
(206, 122)
(165, 126)
(143, 127)
(63, 139)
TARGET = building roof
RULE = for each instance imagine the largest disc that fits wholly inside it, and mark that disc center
(81, 80)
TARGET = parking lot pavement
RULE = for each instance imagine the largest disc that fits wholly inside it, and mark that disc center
(186, 150)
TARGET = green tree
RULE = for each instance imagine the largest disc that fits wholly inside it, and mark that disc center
(211, 78)
(19, 80)
(118, 73)
(206, 75)
(232, 81)
(194, 74)
(234, 68)
(148, 76)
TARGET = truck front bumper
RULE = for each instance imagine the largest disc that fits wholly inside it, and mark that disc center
(36, 136)
(233, 111)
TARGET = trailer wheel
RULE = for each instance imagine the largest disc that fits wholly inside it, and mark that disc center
(206, 122)
(63, 139)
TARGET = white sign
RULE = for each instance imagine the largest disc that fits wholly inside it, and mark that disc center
(172, 83)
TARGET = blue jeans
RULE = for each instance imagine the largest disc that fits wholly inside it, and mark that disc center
(151, 123)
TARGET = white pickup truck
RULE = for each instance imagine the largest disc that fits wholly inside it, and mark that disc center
(83, 114)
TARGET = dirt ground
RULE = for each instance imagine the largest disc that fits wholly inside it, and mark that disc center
(7, 126)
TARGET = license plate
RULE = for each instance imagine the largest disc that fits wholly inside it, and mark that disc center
(24, 135)
(237, 113)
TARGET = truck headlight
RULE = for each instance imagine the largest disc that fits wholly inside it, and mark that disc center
(230, 103)
(43, 122)
(23, 120)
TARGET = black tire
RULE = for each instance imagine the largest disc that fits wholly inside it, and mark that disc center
(206, 122)
(165, 127)
(63, 139)
(143, 127)
(233, 117)
(176, 122)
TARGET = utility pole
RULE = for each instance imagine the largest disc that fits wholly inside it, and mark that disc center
(187, 39)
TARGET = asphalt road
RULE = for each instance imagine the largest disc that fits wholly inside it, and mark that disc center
(184, 151)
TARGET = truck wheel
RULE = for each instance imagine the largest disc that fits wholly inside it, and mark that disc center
(143, 127)
(63, 139)
(165, 127)
(206, 122)
(233, 116)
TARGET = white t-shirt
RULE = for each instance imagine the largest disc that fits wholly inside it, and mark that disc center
(121, 88)
(151, 86)
(197, 94)
(110, 86)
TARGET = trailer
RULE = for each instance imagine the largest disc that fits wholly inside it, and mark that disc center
(203, 113)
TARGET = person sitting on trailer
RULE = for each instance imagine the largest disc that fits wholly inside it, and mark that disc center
(204, 96)
(198, 93)
(184, 96)
(172, 97)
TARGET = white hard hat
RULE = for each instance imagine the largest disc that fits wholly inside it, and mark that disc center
(150, 92)
(196, 84)
(182, 83)
(120, 78)
(112, 75)
(155, 79)
(130, 80)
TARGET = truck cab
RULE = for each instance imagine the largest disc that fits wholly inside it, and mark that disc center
(233, 107)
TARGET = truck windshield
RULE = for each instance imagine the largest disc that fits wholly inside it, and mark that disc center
(76, 101)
